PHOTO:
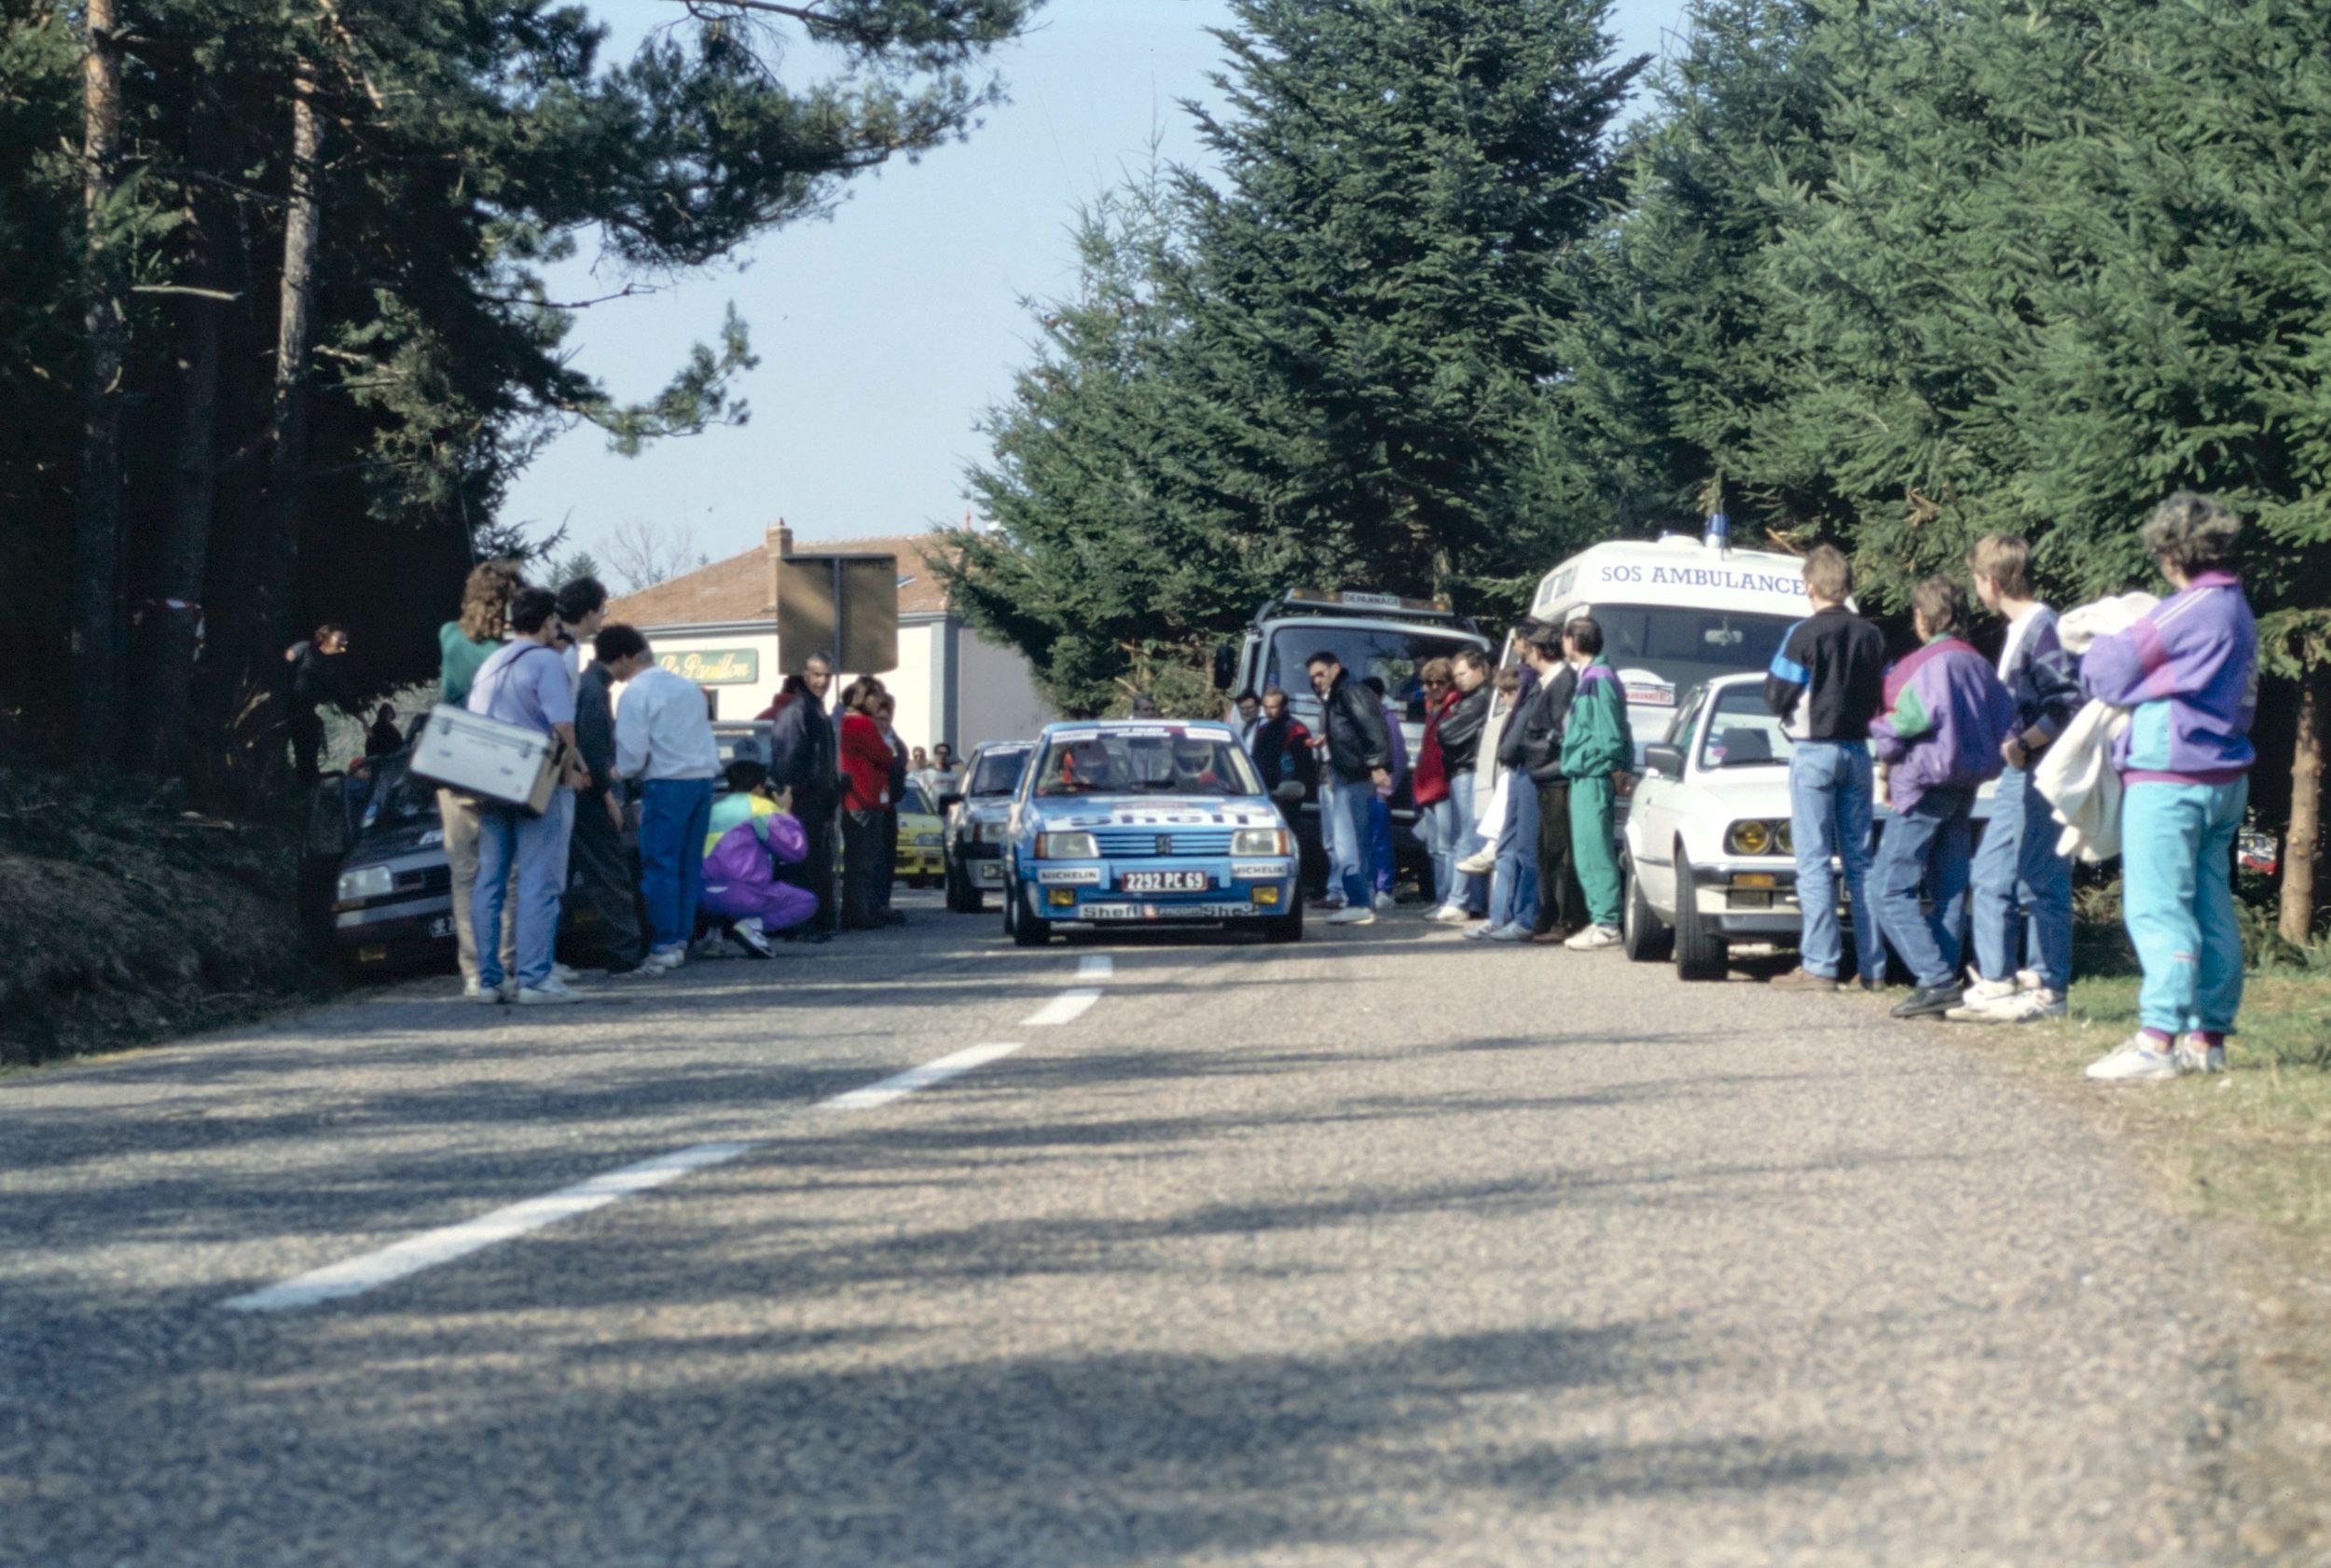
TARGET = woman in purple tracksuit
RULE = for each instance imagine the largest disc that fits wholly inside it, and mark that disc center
(1946, 715)
(2189, 674)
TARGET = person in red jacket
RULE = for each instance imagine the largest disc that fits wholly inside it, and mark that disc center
(866, 800)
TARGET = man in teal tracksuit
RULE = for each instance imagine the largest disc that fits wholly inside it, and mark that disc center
(1596, 747)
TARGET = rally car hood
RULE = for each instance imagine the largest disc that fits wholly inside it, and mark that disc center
(1156, 811)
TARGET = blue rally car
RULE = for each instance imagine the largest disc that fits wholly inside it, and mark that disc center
(1146, 822)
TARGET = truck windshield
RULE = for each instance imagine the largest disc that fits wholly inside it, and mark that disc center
(996, 773)
(1684, 646)
(1392, 654)
(1165, 760)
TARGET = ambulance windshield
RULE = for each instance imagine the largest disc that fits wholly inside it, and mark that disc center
(1684, 646)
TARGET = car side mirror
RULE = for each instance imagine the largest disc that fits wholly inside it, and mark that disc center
(1225, 665)
(1665, 760)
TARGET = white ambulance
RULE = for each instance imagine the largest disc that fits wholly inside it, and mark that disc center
(1675, 611)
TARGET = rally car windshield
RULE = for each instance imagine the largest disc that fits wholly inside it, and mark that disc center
(996, 773)
(1167, 760)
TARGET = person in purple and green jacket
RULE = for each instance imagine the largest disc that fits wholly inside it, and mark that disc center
(2188, 672)
(1936, 743)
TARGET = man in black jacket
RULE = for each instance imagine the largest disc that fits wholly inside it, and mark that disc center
(1359, 762)
(804, 758)
(609, 880)
(1561, 903)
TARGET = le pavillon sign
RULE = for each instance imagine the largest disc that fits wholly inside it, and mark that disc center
(715, 667)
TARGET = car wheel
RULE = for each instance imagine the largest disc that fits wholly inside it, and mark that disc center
(1025, 929)
(1649, 939)
(1701, 953)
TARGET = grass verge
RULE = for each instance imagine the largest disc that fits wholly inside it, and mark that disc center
(2249, 1151)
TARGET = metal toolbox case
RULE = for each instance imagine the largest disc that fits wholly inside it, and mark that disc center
(506, 763)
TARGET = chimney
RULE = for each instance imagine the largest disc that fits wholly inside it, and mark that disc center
(776, 545)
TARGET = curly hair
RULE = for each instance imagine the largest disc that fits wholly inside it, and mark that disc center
(2193, 532)
(485, 600)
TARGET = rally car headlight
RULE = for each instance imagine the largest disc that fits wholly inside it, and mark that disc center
(1066, 846)
(1757, 838)
(1259, 841)
(369, 882)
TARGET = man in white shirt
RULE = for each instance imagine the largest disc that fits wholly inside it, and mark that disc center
(664, 740)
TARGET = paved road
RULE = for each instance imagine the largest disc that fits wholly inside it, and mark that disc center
(1384, 1249)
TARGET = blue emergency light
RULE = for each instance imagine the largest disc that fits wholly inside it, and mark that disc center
(1719, 534)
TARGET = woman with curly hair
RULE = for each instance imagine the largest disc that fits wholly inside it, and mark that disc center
(464, 645)
(2188, 674)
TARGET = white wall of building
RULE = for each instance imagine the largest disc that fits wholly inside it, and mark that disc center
(996, 694)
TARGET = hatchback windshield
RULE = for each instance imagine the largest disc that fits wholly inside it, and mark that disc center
(1683, 646)
(1393, 656)
(1743, 733)
(1163, 760)
(997, 772)
(397, 798)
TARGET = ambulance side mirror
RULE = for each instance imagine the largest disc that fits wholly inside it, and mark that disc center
(1225, 665)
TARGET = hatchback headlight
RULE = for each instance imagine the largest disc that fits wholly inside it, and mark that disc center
(367, 881)
(1066, 846)
(1757, 838)
(1259, 841)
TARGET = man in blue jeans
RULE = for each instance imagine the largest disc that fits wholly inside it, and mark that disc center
(664, 740)
(1359, 758)
(525, 684)
(1826, 685)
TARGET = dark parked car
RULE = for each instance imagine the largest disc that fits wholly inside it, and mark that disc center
(975, 820)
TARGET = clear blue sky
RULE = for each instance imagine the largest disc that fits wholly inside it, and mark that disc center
(884, 331)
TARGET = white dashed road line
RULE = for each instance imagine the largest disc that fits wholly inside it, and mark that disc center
(1064, 1009)
(356, 1275)
(432, 1247)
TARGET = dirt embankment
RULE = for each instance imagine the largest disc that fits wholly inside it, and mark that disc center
(125, 918)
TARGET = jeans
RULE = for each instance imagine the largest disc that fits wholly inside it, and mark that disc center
(533, 846)
(1593, 847)
(1348, 801)
(675, 813)
(2017, 872)
(1830, 794)
(1932, 844)
(2177, 896)
(1513, 886)
(1467, 892)
(1380, 841)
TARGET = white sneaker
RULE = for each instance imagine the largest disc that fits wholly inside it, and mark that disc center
(2195, 1059)
(490, 996)
(1449, 914)
(665, 961)
(748, 935)
(1979, 1000)
(2024, 1006)
(1384, 901)
(1480, 932)
(2135, 1060)
(1513, 930)
(564, 974)
(1594, 939)
(1356, 915)
(552, 991)
(1480, 863)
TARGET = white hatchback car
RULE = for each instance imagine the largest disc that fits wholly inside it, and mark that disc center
(1710, 860)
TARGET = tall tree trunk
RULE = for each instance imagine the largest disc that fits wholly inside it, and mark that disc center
(2301, 844)
(177, 612)
(105, 329)
(278, 584)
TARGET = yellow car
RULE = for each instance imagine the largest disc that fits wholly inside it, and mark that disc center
(923, 861)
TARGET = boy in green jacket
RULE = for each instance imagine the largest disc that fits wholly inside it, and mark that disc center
(1596, 747)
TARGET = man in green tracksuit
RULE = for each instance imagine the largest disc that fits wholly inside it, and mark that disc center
(1596, 747)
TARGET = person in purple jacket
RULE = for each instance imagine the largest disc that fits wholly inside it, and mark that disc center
(1938, 742)
(2188, 672)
